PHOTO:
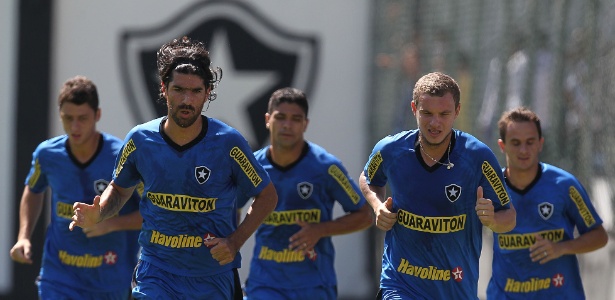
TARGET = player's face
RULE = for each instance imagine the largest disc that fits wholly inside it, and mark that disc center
(435, 117)
(186, 95)
(522, 146)
(286, 125)
(79, 122)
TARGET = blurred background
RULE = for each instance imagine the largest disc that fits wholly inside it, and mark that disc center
(357, 60)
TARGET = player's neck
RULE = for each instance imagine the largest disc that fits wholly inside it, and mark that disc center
(521, 178)
(284, 156)
(83, 152)
(182, 135)
(432, 152)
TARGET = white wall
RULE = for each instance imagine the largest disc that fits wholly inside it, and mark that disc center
(86, 36)
(8, 109)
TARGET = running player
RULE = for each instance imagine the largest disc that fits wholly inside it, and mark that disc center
(445, 185)
(293, 256)
(192, 167)
(95, 263)
(537, 260)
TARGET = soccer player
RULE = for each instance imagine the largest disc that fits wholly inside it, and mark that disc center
(192, 167)
(537, 260)
(445, 185)
(293, 256)
(95, 263)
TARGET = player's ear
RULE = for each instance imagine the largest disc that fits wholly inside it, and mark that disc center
(163, 89)
(98, 114)
(267, 116)
(501, 144)
(307, 122)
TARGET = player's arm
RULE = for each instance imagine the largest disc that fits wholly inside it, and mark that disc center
(505, 220)
(310, 234)
(131, 221)
(30, 210)
(105, 206)
(350, 222)
(224, 249)
(500, 221)
(373, 194)
(587, 242)
(385, 219)
(354, 220)
(545, 250)
(238, 214)
(264, 203)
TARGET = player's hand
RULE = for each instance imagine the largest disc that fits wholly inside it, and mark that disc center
(222, 250)
(21, 252)
(85, 215)
(98, 229)
(484, 208)
(385, 219)
(306, 238)
(544, 250)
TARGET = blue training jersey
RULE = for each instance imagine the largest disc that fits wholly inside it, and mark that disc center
(552, 206)
(307, 190)
(98, 264)
(189, 192)
(433, 250)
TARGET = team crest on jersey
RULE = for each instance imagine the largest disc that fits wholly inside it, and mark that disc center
(100, 185)
(545, 210)
(453, 192)
(202, 174)
(305, 189)
(243, 41)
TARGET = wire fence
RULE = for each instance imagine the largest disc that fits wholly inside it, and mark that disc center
(556, 57)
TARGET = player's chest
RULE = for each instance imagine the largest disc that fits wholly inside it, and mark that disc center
(299, 188)
(447, 191)
(539, 207)
(197, 167)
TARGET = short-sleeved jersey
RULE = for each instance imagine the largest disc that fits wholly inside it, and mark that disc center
(551, 206)
(307, 191)
(433, 250)
(100, 264)
(189, 192)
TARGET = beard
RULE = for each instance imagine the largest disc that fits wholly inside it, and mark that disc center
(183, 122)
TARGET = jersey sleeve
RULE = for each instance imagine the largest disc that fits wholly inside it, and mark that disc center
(242, 200)
(133, 202)
(492, 180)
(250, 176)
(125, 173)
(580, 209)
(36, 179)
(374, 168)
(343, 188)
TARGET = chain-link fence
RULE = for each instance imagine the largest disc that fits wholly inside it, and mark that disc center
(557, 57)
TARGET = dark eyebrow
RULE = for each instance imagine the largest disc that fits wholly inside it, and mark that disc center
(177, 86)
